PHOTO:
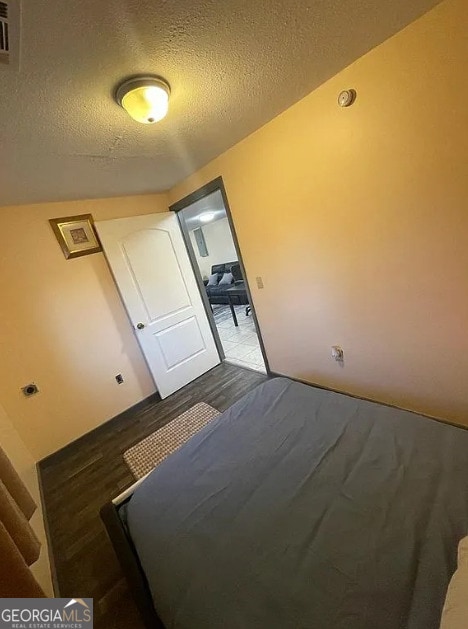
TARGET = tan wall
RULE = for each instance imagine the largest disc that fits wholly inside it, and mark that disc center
(219, 244)
(24, 463)
(357, 220)
(63, 326)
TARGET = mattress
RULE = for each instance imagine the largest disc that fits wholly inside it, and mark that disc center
(303, 508)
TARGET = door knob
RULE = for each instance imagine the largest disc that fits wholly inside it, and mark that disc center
(140, 326)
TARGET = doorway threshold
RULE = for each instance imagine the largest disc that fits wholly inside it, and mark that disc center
(240, 363)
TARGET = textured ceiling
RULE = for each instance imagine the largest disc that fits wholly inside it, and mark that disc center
(232, 67)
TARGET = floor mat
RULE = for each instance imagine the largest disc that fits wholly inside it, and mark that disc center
(147, 454)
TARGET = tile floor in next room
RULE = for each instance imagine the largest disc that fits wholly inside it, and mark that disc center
(240, 343)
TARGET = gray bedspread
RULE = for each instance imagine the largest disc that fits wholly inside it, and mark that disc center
(300, 508)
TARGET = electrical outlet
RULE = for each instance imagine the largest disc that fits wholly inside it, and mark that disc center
(30, 389)
(259, 281)
(119, 378)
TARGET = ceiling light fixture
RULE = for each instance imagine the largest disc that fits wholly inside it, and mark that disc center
(145, 99)
(206, 217)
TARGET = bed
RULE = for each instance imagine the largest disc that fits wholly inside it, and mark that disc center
(298, 508)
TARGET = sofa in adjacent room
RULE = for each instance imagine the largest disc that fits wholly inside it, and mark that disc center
(216, 286)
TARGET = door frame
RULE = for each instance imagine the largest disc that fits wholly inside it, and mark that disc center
(214, 186)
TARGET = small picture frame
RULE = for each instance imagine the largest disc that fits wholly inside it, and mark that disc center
(76, 235)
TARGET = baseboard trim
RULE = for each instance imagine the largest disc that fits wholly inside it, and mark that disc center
(50, 554)
(62, 452)
(276, 374)
(59, 454)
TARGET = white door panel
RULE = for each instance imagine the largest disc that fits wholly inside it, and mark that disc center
(180, 342)
(167, 277)
(151, 267)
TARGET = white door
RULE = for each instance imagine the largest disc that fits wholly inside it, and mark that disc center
(151, 267)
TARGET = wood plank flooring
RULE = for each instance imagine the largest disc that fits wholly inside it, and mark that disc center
(80, 478)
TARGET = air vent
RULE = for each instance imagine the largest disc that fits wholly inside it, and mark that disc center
(10, 22)
(4, 33)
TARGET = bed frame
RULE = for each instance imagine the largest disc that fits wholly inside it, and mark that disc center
(128, 558)
(125, 549)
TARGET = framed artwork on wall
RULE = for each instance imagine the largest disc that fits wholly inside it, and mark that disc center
(76, 235)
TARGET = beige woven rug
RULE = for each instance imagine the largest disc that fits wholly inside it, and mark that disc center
(144, 456)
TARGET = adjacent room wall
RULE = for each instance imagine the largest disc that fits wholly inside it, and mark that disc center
(24, 463)
(63, 326)
(219, 244)
(357, 220)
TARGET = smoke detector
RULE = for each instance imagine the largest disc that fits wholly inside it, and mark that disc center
(9, 33)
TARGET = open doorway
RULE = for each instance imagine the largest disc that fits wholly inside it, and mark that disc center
(212, 245)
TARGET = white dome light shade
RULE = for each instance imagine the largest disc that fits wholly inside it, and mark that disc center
(206, 217)
(146, 100)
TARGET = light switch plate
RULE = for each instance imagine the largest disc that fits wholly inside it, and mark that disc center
(259, 281)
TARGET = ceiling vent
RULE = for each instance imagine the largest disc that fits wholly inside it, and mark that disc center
(9, 33)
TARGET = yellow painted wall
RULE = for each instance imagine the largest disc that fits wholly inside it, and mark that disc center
(63, 326)
(357, 220)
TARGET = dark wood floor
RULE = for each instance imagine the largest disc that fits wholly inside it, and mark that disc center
(79, 479)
